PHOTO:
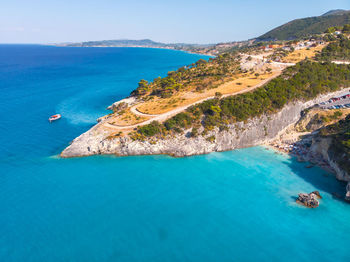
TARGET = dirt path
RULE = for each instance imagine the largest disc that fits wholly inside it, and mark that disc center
(165, 116)
(134, 110)
(341, 62)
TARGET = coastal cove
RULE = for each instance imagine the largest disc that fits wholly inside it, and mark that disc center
(230, 206)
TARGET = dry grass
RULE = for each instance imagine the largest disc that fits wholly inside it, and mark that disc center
(239, 84)
(329, 113)
(299, 55)
(127, 119)
(163, 105)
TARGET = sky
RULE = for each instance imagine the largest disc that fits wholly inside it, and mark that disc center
(180, 21)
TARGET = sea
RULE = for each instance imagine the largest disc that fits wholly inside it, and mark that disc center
(231, 206)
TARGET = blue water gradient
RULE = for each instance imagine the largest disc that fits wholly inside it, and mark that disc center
(231, 206)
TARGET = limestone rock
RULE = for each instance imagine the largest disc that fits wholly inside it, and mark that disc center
(309, 200)
(317, 194)
(347, 196)
(252, 132)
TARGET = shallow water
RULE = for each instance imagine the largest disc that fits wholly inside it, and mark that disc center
(231, 206)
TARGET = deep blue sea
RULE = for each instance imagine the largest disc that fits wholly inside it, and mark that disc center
(231, 206)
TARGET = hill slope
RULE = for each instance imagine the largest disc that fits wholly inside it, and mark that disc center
(130, 43)
(335, 12)
(122, 42)
(306, 26)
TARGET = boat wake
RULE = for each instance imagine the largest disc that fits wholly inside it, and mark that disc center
(79, 111)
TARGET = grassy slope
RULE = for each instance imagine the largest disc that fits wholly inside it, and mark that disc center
(304, 81)
(306, 26)
(339, 50)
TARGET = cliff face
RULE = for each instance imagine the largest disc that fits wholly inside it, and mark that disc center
(239, 135)
(323, 147)
(253, 132)
(331, 143)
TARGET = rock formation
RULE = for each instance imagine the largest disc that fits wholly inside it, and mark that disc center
(309, 200)
(253, 132)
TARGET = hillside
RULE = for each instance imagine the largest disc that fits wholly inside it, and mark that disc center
(339, 50)
(293, 85)
(207, 49)
(295, 29)
(120, 43)
(133, 43)
(307, 26)
(335, 12)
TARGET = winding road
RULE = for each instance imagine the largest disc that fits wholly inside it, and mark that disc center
(166, 115)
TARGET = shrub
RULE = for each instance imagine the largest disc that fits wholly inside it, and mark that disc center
(150, 129)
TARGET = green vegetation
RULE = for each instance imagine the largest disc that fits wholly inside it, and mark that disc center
(196, 77)
(339, 50)
(336, 115)
(344, 29)
(339, 133)
(304, 81)
(150, 129)
(305, 27)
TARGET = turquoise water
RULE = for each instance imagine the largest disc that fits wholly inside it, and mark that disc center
(231, 206)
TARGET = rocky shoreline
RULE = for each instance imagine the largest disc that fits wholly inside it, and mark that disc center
(265, 130)
(311, 148)
(256, 131)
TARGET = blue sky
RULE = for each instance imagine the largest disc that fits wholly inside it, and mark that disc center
(192, 21)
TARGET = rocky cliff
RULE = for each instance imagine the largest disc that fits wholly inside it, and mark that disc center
(331, 149)
(239, 135)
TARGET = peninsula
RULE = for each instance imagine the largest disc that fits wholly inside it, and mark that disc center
(248, 96)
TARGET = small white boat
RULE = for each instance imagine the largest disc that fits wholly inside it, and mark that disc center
(54, 117)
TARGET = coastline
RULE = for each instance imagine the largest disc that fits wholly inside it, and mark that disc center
(209, 54)
(256, 131)
(276, 131)
(309, 147)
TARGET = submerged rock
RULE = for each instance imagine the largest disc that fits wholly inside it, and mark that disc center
(309, 200)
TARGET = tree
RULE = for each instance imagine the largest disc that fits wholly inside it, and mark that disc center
(218, 94)
(215, 109)
(200, 62)
(142, 88)
(331, 30)
(194, 132)
(150, 129)
(346, 28)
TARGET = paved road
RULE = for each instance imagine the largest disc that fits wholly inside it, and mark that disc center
(336, 103)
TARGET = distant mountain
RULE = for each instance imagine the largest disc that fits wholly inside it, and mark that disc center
(121, 43)
(336, 12)
(307, 26)
(131, 43)
(292, 30)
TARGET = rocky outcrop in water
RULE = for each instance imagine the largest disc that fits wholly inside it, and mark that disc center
(309, 200)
